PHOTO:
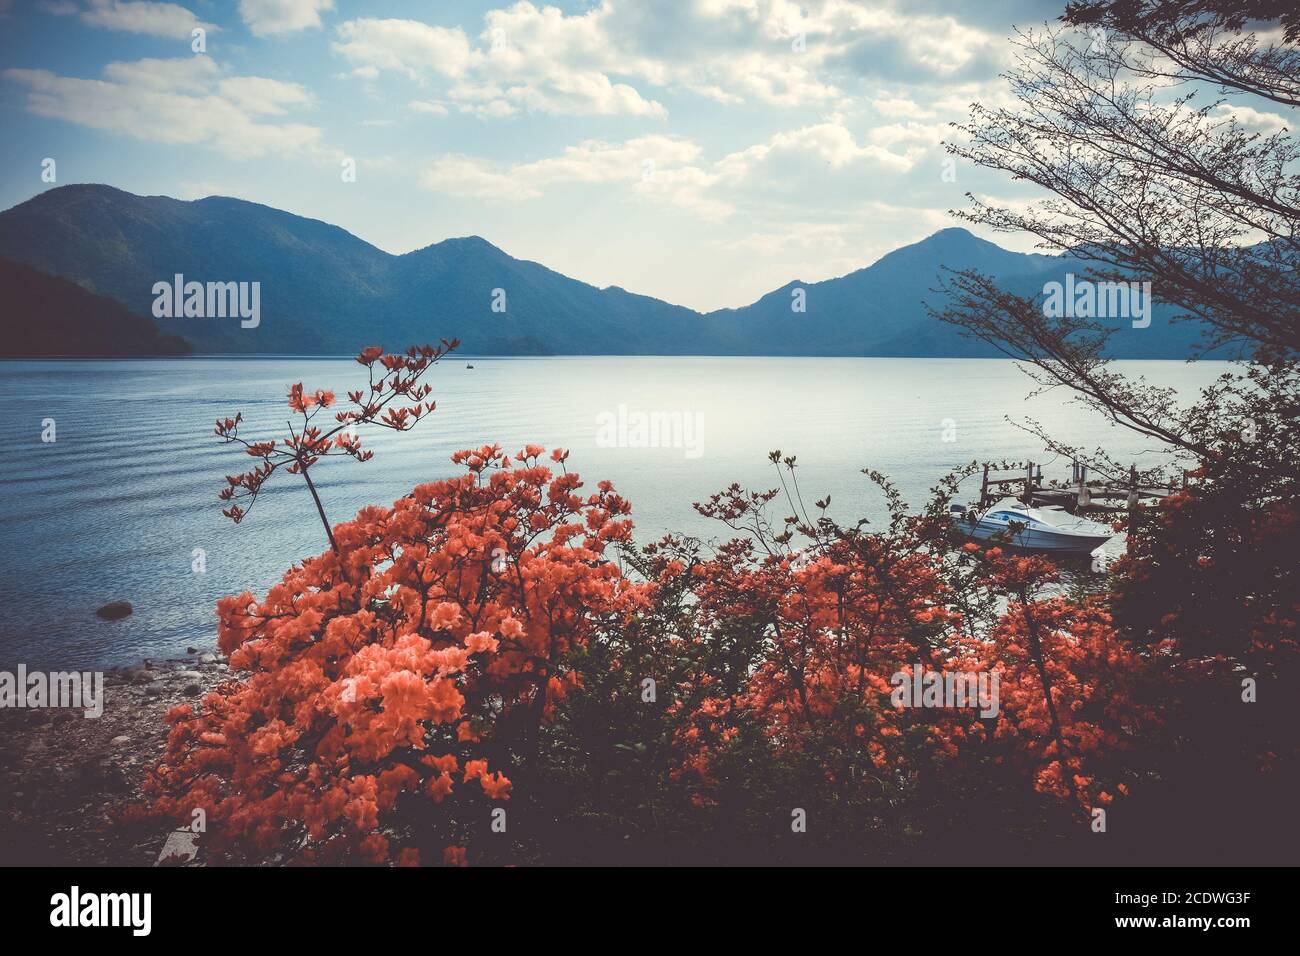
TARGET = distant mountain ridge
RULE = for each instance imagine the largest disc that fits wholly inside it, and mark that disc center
(43, 316)
(325, 291)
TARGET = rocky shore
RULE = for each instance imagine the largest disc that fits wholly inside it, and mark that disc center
(65, 777)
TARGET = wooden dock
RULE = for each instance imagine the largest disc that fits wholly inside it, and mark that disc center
(1080, 494)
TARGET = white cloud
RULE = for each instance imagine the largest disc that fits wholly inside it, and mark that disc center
(817, 236)
(605, 60)
(402, 46)
(544, 61)
(427, 107)
(257, 94)
(791, 173)
(594, 161)
(826, 146)
(470, 178)
(139, 16)
(267, 17)
(185, 101)
(1257, 121)
(562, 93)
(658, 168)
(900, 106)
(528, 59)
(912, 134)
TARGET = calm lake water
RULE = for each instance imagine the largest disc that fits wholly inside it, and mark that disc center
(114, 508)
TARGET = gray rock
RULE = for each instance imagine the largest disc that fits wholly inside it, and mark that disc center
(207, 658)
(120, 740)
(154, 690)
(115, 610)
(188, 675)
(193, 690)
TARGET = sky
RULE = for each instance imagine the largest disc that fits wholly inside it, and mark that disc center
(702, 151)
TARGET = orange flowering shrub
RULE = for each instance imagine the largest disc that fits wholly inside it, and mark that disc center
(393, 687)
(833, 622)
(1072, 689)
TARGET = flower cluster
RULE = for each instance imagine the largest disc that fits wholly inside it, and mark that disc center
(392, 686)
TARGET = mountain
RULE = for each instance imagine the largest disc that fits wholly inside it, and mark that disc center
(324, 291)
(880, 310)
(877, 310)
(44, 316)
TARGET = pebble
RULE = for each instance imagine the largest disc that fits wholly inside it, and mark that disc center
(66, 776)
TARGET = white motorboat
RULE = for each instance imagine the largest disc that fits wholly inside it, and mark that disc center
(1043, 528)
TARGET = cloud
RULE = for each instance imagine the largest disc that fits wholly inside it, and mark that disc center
(408, 47)
(427, 107)
(186, 101)
(137, 16)
(817, 148)
(543, 61)
(924, 135)
(595, 161)
(817, 236)
(900, 106)
(256, 94)
(470, 178)
(605, 60)
(1255, 121)
(268, 17)
(790, 174)
(656, 167)
(528, 59)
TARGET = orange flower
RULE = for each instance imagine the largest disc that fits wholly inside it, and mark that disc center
(480, 641)
(496, 786)
(454, 856)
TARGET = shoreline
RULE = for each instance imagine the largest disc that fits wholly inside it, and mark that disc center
(64, 777)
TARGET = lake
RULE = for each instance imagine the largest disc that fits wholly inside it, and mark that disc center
(114, 508)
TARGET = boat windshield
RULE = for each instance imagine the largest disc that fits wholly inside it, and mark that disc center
(1054, 516)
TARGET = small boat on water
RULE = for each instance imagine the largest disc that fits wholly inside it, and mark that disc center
(1034, 528)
